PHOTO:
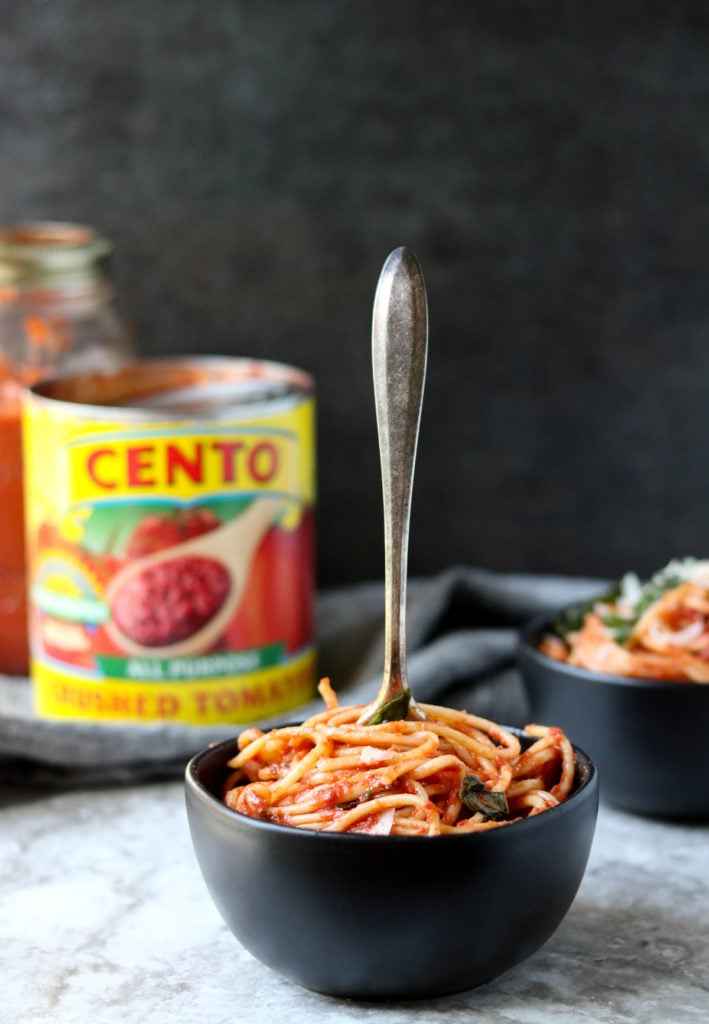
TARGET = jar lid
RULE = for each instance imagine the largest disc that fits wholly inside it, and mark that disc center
(51, 253)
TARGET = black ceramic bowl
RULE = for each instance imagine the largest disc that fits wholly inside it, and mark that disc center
(649, 738)
(389, 917)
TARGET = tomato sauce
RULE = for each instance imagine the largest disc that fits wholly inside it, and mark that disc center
(170, 601)
(13, 601)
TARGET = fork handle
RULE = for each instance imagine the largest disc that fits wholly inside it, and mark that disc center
(399, 356)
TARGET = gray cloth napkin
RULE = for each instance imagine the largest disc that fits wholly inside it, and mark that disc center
(462, 629)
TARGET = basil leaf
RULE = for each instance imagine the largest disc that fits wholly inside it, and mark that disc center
(394, 710)
(572, 619)
(622, 632)
(480, 800)
(619, 627)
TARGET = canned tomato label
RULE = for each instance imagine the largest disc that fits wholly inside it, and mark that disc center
(170, 536)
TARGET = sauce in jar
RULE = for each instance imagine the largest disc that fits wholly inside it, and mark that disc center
(55, 316)
(13, 602)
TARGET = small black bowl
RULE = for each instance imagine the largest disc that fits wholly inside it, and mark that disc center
(389, 917)
(648, 737)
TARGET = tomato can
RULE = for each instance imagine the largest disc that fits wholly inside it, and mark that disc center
(170, 541)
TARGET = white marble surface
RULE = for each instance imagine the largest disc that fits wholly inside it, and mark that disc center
(104, 918)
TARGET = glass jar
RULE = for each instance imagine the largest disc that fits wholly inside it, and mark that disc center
(56, 317)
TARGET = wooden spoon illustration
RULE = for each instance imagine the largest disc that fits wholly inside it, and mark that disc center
(226, 552)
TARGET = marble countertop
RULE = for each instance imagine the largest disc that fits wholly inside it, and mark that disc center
(104, 917)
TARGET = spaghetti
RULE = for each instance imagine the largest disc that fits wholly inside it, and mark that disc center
(450, 773)
(659, 630)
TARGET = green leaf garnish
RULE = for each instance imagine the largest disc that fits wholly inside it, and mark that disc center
(571, 620)
(394, 710)
(483, 801)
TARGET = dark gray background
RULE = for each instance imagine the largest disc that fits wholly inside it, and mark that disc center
(549, 164)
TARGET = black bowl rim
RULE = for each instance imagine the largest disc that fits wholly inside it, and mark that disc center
(586, 790)
(528, 649)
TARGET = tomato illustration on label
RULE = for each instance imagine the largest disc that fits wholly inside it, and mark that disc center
(162, 530)
(278, 604)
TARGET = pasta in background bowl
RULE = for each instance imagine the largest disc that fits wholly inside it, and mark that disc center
(368, 914)
(627, 676)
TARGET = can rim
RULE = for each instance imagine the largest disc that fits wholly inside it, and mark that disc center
(52, 391)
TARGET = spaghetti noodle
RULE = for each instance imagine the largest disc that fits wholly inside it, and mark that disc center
(450, 773)
(659, 630)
